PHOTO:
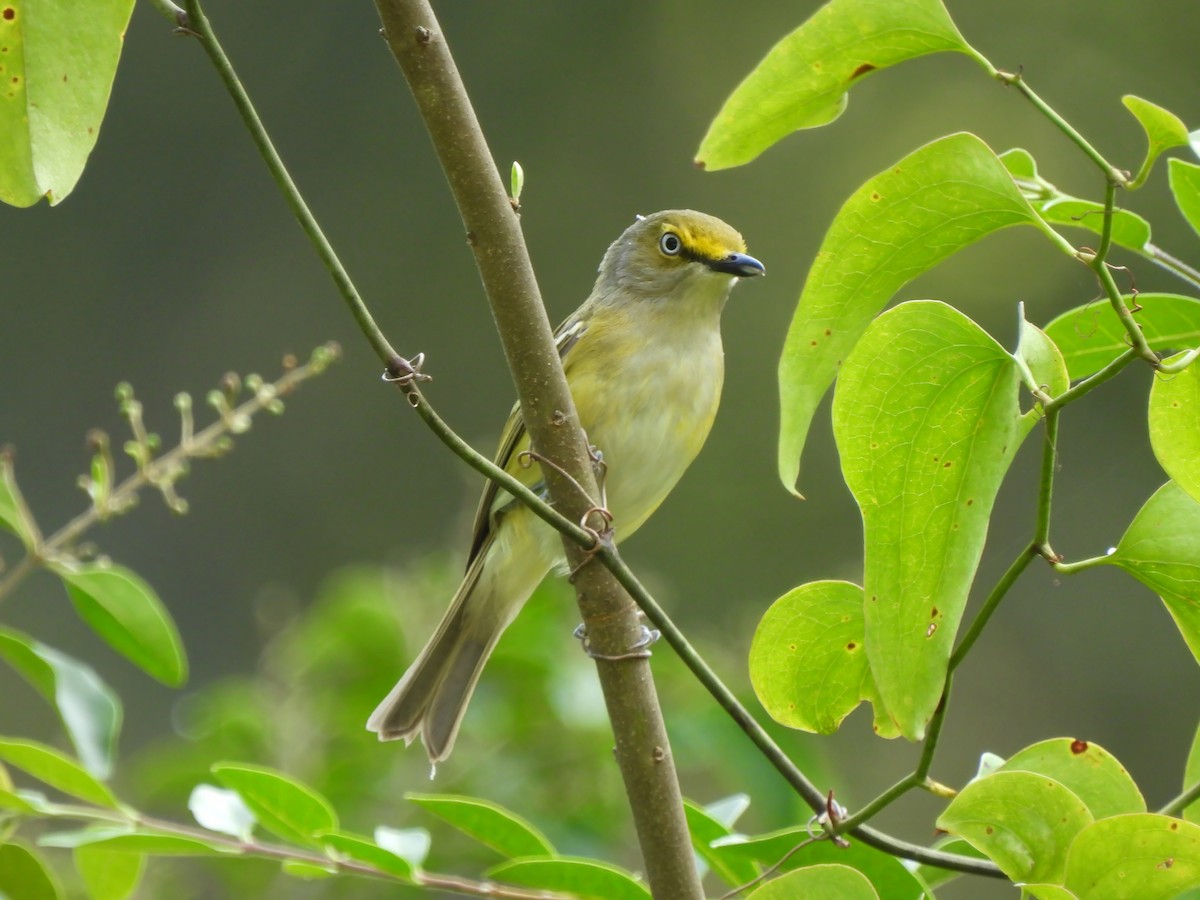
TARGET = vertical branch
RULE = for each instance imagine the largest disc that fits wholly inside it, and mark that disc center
(493, 232)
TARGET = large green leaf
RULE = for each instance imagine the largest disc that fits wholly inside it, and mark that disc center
(1092, 336)
(1185, 185)
(926, 420)
(1023, 822)
(1089, 771)
(56, 78)
(282, 805)
(124, 610)
(803, 81)
(1161, 549)
(902, 222)
(489, 823)
(55, 769)
(89, 709)
(1175, 426)
(1164, 130)
(1135, 857)
(108, 874)
(808, 662)
(24, 876)
(1060, 208)
(587, 879)
(831, 882)
(705, 829)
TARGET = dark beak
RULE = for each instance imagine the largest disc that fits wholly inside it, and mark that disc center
(738, 264)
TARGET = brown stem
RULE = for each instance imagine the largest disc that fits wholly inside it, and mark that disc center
(642, 750)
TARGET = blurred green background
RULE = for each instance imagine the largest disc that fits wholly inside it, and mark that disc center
(175, 260)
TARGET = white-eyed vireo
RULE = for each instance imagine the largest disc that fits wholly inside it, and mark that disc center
(644, 362)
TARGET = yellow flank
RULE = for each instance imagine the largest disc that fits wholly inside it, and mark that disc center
(644, 362)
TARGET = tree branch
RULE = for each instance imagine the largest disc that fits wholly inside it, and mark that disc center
(493, 231)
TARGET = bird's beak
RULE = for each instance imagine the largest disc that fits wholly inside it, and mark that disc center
(739, 264)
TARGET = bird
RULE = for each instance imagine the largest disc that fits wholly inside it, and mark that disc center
(644, 362)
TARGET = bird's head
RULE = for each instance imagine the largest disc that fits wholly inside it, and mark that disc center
(661, 253)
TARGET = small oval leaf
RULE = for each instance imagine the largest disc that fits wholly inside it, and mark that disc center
(361, 849)
(24, 876)
(124, 610)
(55, 769)
(489, 823)
(586, 879)
(108, 874)
(829, 881)
(1164, 130)
(283, 806)
(89, 709)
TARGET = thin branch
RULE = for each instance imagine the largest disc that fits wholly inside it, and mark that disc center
(1093, 381)
(1176, 806)
(1172, 264)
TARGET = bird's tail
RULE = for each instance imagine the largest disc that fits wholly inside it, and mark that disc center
(431, 698)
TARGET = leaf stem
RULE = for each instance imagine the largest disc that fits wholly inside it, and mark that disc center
(1070, 568)
(1092, 381)
(1112, 174)
(1176, 806)
(1172, 264)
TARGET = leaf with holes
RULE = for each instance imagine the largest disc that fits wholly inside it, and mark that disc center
(904, 221)
(926, 420)
(804, 79)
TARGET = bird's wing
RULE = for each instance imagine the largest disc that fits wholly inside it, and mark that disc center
(514, 441)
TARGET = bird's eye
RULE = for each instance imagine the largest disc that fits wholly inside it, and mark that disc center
(670, 244)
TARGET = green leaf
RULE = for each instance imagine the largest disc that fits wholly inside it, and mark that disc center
(1021, 821)
(109, 875)
(830, 882)
(221, 810)
(704, 829)
(283, 806)
(57, 78)
(885, 872)
(934, 876)
(902, 222)
(23, 875)
(55, 769)
(808, 663)
(1191, 775)
(1060, 208)
(308, 871)
(12, 506)
(89, 709)
(925, 416)
(1161, 549)
(122, 609)
(1089, 771)
(129, 839)
(489, 823)
(1185, 185)
(1175, 426)
(1164, 130)
(1044, 359)
(363, 850)
(1048, 892)
(587, 879)
(1142, 856)
(1092, 336)
(804, 79)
